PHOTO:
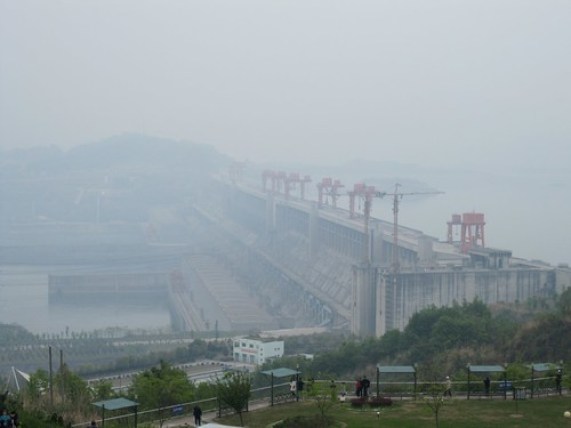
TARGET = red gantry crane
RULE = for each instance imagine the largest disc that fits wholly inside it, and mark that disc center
(281, 181)
(472, 230)
(366, 194)
(328, 188)
(291, 181)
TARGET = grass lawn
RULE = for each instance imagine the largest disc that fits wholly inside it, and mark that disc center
(542, 413)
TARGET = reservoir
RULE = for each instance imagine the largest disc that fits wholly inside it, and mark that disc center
(24, 300)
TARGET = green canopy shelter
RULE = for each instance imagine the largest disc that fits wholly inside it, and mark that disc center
(539, 368)
(487, 369)
(115, 404)
(282, 373)
(396, 370)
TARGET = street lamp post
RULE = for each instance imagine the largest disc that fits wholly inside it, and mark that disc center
(297, 382)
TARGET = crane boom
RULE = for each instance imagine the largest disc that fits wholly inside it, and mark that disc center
(367, 193)
(397, 196)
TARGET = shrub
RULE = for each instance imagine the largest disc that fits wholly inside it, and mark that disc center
(358, 402)
(371, 401)
(380, 402)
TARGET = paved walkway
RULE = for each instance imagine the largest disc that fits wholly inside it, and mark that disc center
(188, 421)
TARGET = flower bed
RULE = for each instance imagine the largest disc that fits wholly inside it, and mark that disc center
(358, 402)
(380, 402)
(371, 401)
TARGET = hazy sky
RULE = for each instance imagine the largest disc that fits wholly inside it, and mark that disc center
(447, 82)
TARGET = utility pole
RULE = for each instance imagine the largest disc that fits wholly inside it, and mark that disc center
(62, 380)
(51, 377)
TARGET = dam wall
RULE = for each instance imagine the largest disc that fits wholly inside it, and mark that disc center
(326, 253)
(409, 293)
(100, 287)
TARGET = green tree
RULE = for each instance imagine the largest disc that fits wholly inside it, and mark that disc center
(39, 384)
(233, 389)
(564, 302)
(161, 387)
(71, 388)
(324, 401)
(435, 401)
(103, 390)
(70, 394)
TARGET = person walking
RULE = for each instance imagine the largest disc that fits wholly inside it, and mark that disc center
(293, 387)
(365, 385)
(487, 385)
(358, 387)
(448, 387)
(197, 413)
(300, 387)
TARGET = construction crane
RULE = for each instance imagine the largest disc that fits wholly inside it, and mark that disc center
(397, 196)
(365, 193)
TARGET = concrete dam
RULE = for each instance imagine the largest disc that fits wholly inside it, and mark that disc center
(238, 257)
(326, 267)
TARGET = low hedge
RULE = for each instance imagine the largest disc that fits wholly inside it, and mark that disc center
(371, 401)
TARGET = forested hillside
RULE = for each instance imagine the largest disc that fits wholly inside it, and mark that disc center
(446, 339)
(121, 151)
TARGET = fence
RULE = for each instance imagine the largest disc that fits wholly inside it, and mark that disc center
(209, 405)
(520, 389)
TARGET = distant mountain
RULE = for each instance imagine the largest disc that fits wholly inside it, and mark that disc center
(137, 149)
(119, 151)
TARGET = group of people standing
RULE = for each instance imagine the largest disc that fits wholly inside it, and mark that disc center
(362, 386)
(9, 420)
(296, 386)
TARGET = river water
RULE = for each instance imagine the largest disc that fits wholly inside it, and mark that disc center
(24, 300)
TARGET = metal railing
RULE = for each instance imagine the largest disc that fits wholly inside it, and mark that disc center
(519, 389)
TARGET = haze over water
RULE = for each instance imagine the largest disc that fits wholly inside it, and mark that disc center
(472, 97)
(24, 297)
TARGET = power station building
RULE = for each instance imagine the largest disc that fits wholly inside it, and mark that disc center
(256, 351)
